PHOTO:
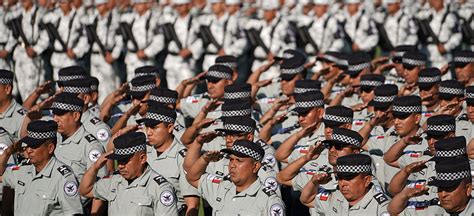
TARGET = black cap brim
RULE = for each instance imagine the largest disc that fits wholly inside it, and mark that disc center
(379, 105)
(117, 157)
(287, 77)
(401, 115)
(426, 86)
(329, 123)
(213, 79)
(444, 184)
(33, 143)
(59, 112)
(460, 64)
(149, 122)
(137, 94)
(409, 66)
(225, 131)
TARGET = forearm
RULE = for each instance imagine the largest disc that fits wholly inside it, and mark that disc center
(266, 132)
(287, 146)
(337, 100)
(121, 123)
(196, 171)
(391, 156)
(398, 204)
(398, 182)
(254, 77)
(105, 108)
(288, 173)
(326, 90)
(268, 116)
(87, 183)
(192, 155)
(189, 135)
(365, 133)
(308, 194)
(31, 100)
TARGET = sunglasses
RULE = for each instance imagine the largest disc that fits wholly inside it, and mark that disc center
(337, 146)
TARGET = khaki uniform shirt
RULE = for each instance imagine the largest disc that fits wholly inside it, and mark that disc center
(12, 119)
(97, 127)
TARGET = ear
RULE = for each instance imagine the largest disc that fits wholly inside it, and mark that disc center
(87, 99)
(417, 118)
(256, 167)
(76, 116)
(367, 180)
(143, 158)
(320, 112)
(9, 89)
(170, 128)
(347, 126)
(229, 82)
(234, 76)
(158, 81)
(468, 189)
(250, 136)
(51, 148)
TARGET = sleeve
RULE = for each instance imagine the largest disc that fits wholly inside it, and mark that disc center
(101, 188)
(157, 43)
(411, 29)
(68, 195)
(208, 186)
(117, 50)
(338, 42)
(166, 203)
(43, 42)
(371, 34)
(300, 180)
(452, 25)
(186, 188)
(9, 178)
(93, 151)
(275, 206)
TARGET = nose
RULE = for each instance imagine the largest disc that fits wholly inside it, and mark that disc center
(29, 150)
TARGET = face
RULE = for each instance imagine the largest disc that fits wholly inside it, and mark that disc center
(77, 3)
(159, 134)
(328, 130)
(65, 6)
(232, 9)
(411, 75)
(141, 7)
(41, 154)
(470, 113)
(339, 150)
(393, 7)
(353, 8)
(102, 8)
(354, 189)
(320, 10)
(314, 115)
(332, 71)
(27, 3)
(367, 95)
(218, 8)
(182, 9)
(404, 126)
(132, 168)
(67, 122)
(455, 198)
(231, 138)
(216, 90)
(143, 104)
(288, 86)
(433, 92)
(443, 102)
(437, 4)
(269, 15)
(5, 92)
(307, 8)
(464, 74)
(242, 169)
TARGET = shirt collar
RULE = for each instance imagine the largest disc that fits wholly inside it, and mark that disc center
(140, 181)
(10, 110)
(365, 201)
(46, 171)
(171, 151)
(75, 138)
(251, 190)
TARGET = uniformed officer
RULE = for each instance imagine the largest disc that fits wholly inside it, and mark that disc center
(105, 48)
(94, 103)
(140, 88)
(368, 83)
(149, 70)
(26, 48)
(137, 189)
(428, 83)
(241, 193)
(275, 35)
(469, 95)
(453, 181)
(356, 194)
(463, 63)
(5, 36)
(181, 59)
(76, 147)
(395, 66)
(359, 31)
(142, 36)
(6, 142)
(66, 25)
(165, 155)
(413, 62)
(12, 113)
(81, 88)
(47, 186)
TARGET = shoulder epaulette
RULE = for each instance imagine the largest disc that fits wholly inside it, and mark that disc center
(381, 198)
(182, 152)
(64, 170)
(22, 111)
(95, 120)
(90, 138)
(159, 179)
(268, 191)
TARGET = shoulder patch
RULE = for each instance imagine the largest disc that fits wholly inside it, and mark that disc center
(272, 183)
(70, 188)
(95, 120)
(167, 198)
(160, 180)
(276, 210)
(380, 198)
(64, 170)
(182, 152)
(22, 111)
(261, 143)
(102, 134)
(268, 191)
(90, 138)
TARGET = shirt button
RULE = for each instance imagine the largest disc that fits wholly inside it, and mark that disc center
(233, 199)
(44, 196)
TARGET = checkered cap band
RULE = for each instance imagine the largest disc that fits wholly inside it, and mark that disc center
(228, 64)
(450, 153)
(398, 54)
(442, 128)
(429, 79)
(463, 59)
(453, 176)
(331, 58)
(219, 75)
(304, 90)
(69, 78)
(407, 109)
(307, 104)
(451, 91)
(288, 55)
(345, 139)
(236, 95)
(469, 95)
(235, 113)
(353, 168)
(384, 99)
(236, 127)
(413, 62)
(335, 118)
(292, 70)
(370, 83)
(159, 117)
(5, 81)
(142, 88)
(130, 150)
(41, 135)
(66, 107)
(246, 151)
(76, 90)
(160, 99)
(359, 67)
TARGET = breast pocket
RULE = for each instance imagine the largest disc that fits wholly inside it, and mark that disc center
(73, 159)
(246, 212)
(143, 205)
(48, 201)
